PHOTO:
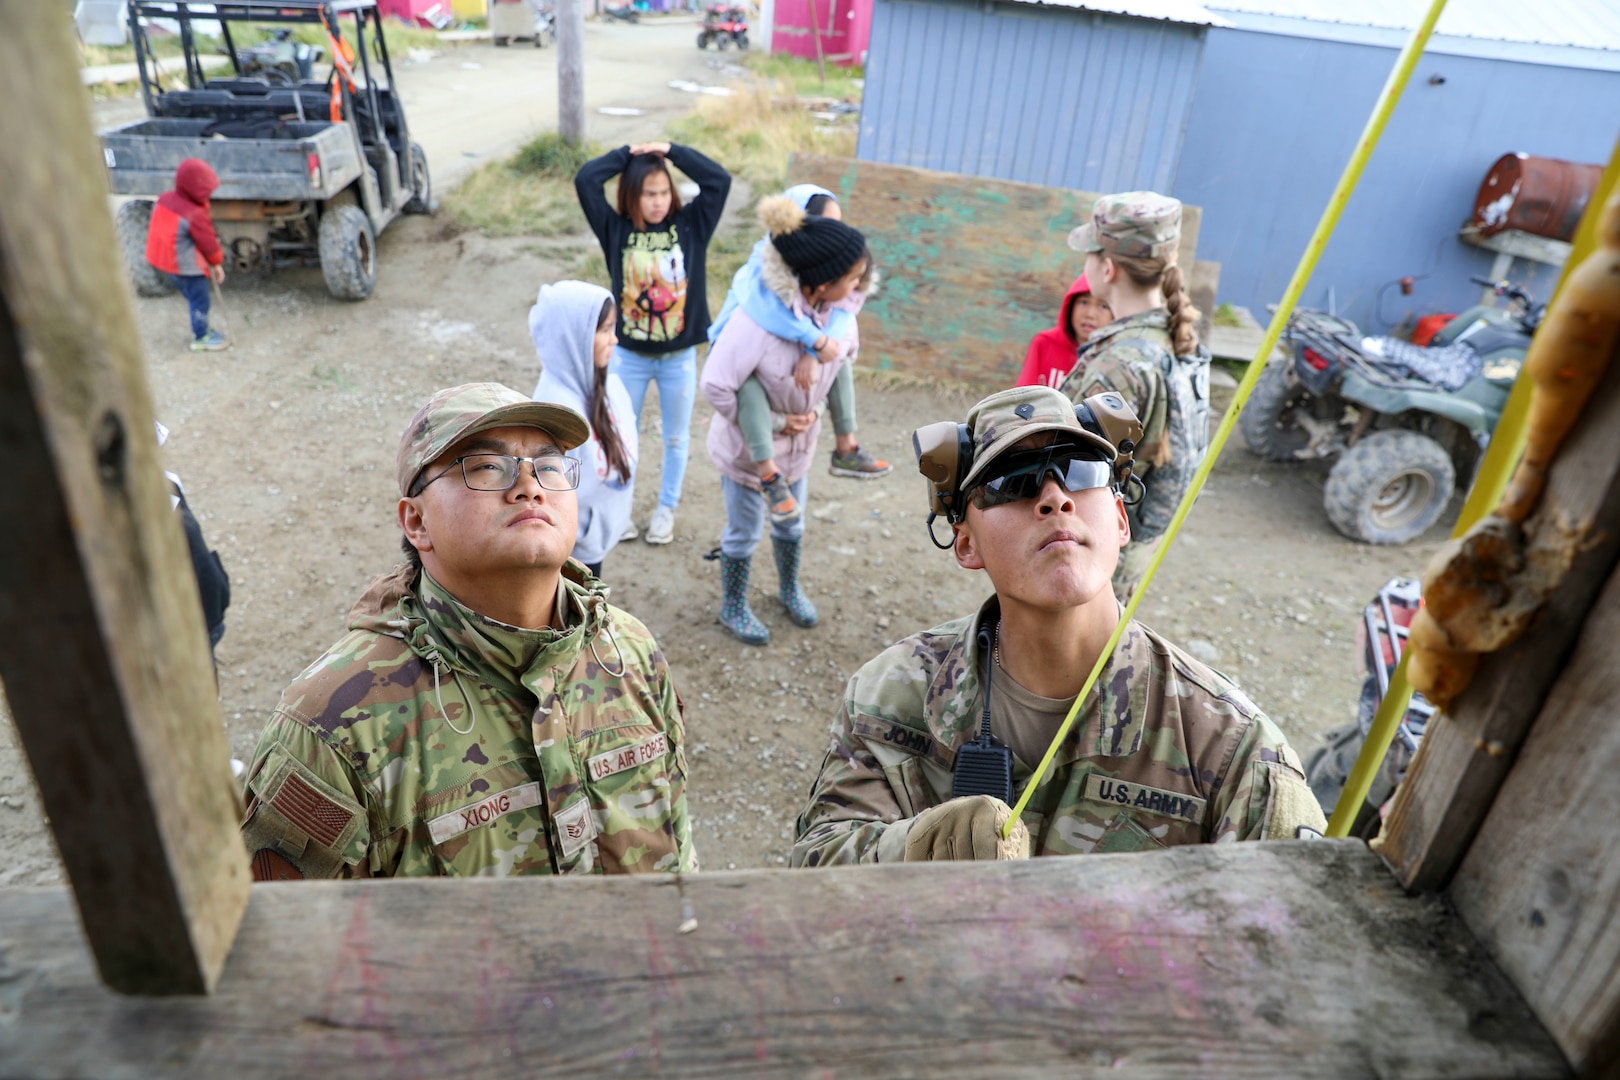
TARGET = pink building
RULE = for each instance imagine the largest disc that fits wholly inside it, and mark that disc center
(843, 26)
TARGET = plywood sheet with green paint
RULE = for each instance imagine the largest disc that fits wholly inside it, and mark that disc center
(972, 268)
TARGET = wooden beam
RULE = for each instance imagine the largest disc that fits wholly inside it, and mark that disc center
(1470, 747)
(1541, 884)
(1245, 960)
(102, 646)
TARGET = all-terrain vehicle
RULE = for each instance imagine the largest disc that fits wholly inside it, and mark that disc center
(724, 25)
(1404, 421)
(310, 169)
(1380, 640)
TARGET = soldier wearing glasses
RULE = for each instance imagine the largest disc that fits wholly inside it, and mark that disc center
(488, 712)
(940, 732)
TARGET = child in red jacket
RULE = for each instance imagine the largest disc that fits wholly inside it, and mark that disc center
(1052, 352)
(182, 243)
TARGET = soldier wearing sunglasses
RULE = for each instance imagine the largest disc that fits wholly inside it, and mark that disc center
(488, 712)
(942, 731)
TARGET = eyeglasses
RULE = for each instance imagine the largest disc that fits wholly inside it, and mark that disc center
(1020, 476)
(500, 472)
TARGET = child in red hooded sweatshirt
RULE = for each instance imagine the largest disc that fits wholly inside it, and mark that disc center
(1052, 352)
(182, 243)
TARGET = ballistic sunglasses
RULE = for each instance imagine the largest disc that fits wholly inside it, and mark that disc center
(1018, 476)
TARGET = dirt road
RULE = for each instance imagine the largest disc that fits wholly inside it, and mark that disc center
(286, 444)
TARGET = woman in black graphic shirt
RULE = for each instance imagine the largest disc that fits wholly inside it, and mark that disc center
(655, 249)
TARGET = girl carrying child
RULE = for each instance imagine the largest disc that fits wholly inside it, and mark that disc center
(754, 414)
(572, 327)
(810, 264)
(656, 249)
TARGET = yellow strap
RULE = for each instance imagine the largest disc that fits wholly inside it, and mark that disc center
(1490, 481)
(1296, 285)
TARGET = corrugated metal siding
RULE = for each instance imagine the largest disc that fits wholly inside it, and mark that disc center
(1590, 24)
(1276, 118)
(1040, 95)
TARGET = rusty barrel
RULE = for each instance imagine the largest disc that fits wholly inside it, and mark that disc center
(1538, 195)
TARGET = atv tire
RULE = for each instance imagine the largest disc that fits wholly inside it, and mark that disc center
(130, 224)
(421, 201)
(703, 40)
(1389, 487)
(1269, 422)
(348, 252)
(742, 42)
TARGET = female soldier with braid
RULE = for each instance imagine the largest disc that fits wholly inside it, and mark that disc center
(1149, 354)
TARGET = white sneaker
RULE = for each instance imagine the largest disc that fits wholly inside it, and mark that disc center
(630, 531)
(661, 529)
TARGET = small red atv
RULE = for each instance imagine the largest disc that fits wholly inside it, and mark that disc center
(723, 27)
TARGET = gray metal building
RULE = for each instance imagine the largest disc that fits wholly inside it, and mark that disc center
(1250, 108)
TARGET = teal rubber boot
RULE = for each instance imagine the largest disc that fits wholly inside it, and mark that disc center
(735, 614)
(799, 607)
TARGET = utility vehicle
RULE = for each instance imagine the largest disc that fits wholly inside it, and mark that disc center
(311, 168)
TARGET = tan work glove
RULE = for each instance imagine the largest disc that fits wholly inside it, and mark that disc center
(966, 828)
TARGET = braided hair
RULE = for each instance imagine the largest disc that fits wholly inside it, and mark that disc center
(1166, 276)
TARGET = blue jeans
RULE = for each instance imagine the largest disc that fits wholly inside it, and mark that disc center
(676, 376)
(746, 514)
(194, 287)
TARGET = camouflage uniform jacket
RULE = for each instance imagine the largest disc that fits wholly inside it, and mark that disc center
(431, 740)
(1167, 752)
(1131, 357)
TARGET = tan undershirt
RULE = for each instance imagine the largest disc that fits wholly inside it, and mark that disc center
(1023, 720)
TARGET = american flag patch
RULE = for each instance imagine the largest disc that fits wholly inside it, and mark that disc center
(321, 819)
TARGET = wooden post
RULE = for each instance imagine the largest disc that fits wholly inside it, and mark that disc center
(102, 645)
(815, 33)
(1541, 881)
(1469, 748)
(571, 71)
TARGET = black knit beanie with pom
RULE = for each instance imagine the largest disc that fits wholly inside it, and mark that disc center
(816, 249)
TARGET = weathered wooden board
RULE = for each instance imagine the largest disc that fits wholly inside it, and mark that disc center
(1541, 884)
(1469, 749)
(972, 268)
(1246, 960)
(102, 645)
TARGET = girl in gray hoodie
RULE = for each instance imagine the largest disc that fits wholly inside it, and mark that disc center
(572, 327)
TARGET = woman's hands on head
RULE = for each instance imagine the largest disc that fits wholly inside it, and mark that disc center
(659, 148)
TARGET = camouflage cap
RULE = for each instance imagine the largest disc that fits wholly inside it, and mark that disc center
(999, 421)
(460, 411)
(1137, 224)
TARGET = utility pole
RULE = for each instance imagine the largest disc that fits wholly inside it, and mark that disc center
(571, 71)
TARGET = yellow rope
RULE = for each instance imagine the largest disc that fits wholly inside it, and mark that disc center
(1490, 481)
(1296, 285)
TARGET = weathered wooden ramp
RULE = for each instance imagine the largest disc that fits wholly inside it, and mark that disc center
(973, 267)
(1286, 959)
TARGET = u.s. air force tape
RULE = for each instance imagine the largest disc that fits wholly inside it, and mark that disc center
(1141, 797)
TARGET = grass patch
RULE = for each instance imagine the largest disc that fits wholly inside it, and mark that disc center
(528, 194)
(843, 83)
(1226, 315)
(753, 138)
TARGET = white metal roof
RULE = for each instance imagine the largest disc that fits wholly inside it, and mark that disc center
(1568, 33)
(1177, 11)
